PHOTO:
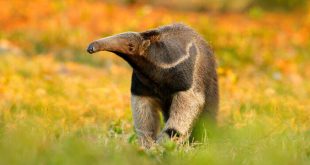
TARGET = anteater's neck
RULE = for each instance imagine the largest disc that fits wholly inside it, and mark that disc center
(143, 67)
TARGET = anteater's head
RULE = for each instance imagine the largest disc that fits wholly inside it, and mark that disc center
(129, 43)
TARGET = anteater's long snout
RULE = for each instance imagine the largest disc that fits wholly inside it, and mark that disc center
(112, 43)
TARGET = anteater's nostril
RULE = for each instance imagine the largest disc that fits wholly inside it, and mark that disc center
(90, 49)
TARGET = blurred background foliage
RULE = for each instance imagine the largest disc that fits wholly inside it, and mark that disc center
(223, 5)
(60, 105)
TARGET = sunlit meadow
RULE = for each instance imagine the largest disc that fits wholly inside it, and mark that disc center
(59, 105)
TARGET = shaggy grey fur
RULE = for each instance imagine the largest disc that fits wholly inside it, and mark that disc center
(174, 72)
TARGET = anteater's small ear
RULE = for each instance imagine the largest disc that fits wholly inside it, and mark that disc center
(145, 44)
(152, 35)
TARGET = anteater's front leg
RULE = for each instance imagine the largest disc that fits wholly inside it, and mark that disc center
(184, 111)
(146, 119)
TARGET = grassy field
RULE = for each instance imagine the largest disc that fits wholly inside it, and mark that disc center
(59, 105)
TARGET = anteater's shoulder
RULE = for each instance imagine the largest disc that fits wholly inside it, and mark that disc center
(175, 28)
(182, 31)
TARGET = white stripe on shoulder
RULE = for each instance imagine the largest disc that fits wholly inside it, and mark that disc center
(183, 58)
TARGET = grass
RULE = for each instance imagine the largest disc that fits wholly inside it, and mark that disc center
(59, 105)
